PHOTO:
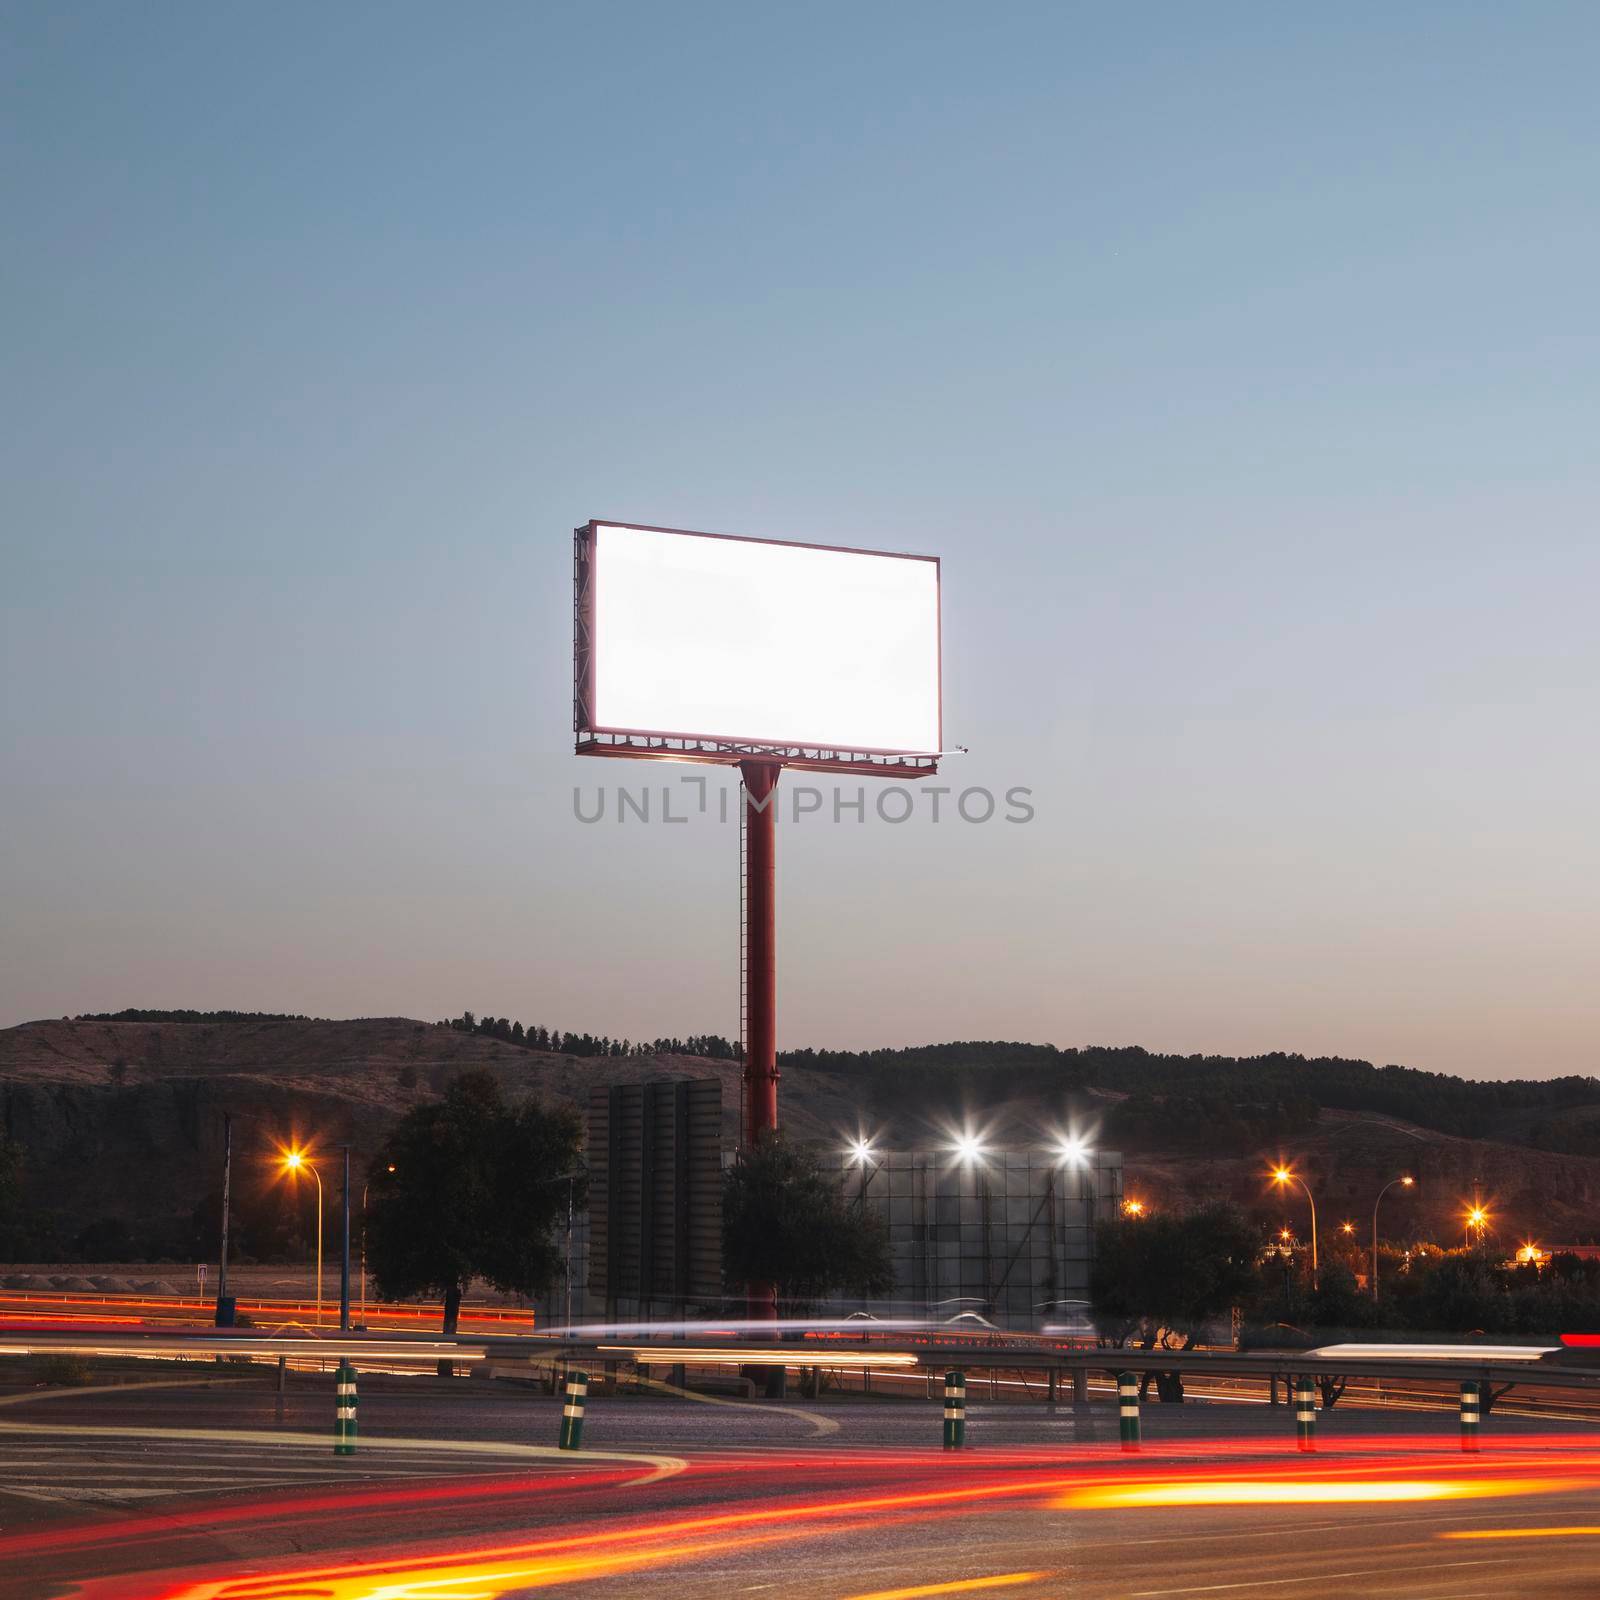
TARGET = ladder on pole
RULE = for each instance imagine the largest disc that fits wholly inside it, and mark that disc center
(744, 950)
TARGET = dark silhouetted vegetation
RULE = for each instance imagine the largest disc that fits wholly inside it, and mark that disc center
(711, 1045)
(134, 1014)
(786, 1221)
(1228, 1103)
(470, 1195)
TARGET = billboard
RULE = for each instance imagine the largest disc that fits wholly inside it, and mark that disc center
(706, 647)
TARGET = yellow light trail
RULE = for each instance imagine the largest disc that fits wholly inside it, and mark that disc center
(795, 1356)
(1574, 1532)
(1002, 1580)
(1271, 1492)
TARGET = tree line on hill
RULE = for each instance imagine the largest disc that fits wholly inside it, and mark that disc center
(1227, 1103)
(710, 1045)
(136, 1014)
(1222, 1101)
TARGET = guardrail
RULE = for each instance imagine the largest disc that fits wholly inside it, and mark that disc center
(1559, 1369)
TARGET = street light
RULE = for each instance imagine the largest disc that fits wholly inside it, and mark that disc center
(1406, 1182)
(1074, 1151)
(1133, 1208)
(969, 1148)
(1281, 1176)
(1477, 1218)
(1347, 1227)
(294, 1162)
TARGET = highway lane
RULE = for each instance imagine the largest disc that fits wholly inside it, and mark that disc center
(768, 1506)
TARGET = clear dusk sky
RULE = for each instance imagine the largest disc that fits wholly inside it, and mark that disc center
(1241, 363)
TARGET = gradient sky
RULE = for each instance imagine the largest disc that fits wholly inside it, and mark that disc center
(1241, 362)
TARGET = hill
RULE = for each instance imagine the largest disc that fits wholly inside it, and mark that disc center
(120, 1118)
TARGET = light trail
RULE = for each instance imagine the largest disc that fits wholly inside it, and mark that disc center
(1572, 1531)
(1273, 1492)
(1002, 1580)
(670, 1355)
(966, 1487)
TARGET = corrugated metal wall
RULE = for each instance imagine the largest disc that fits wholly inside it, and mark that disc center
(655, 1198)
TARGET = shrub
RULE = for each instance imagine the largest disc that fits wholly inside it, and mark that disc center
(68, 1372)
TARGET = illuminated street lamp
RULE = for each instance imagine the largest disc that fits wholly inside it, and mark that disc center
(294, 1163)
(1282, 1176)
(1477, 1218)
(1133, 1208)
(1347, 1227)
(969, 1148)
(1406, 1182)
(1074, 1151)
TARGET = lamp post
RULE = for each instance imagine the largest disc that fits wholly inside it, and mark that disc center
(569, 1178)
(294, 1161)
(1074, 1151)
(1406, 1182)
(1281, 1176)
(344, 1258)
(970, 1151)
(227, 1180)
(861, 1155)
(364, 1187)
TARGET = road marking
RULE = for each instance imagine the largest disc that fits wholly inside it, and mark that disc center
(1316, 1577)
(662, 1466)
(820, 1426)
(67, 1392)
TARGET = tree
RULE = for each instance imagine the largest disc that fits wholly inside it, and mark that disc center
(12, 1229)
(1162, 1278)
(786, 1220)
(471, 1195)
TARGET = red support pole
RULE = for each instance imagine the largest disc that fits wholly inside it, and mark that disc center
(760, 936)
(761, 982)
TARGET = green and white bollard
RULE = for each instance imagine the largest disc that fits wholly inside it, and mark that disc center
(1128, 1409)
(344, 1410)
(1305, 1414)
(955, 1410)
(1469, 1417)
(572, 1411)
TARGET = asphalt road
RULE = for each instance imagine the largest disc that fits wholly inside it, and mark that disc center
(101, 1499)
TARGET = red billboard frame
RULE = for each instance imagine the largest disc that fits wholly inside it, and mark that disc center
(661, 744)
